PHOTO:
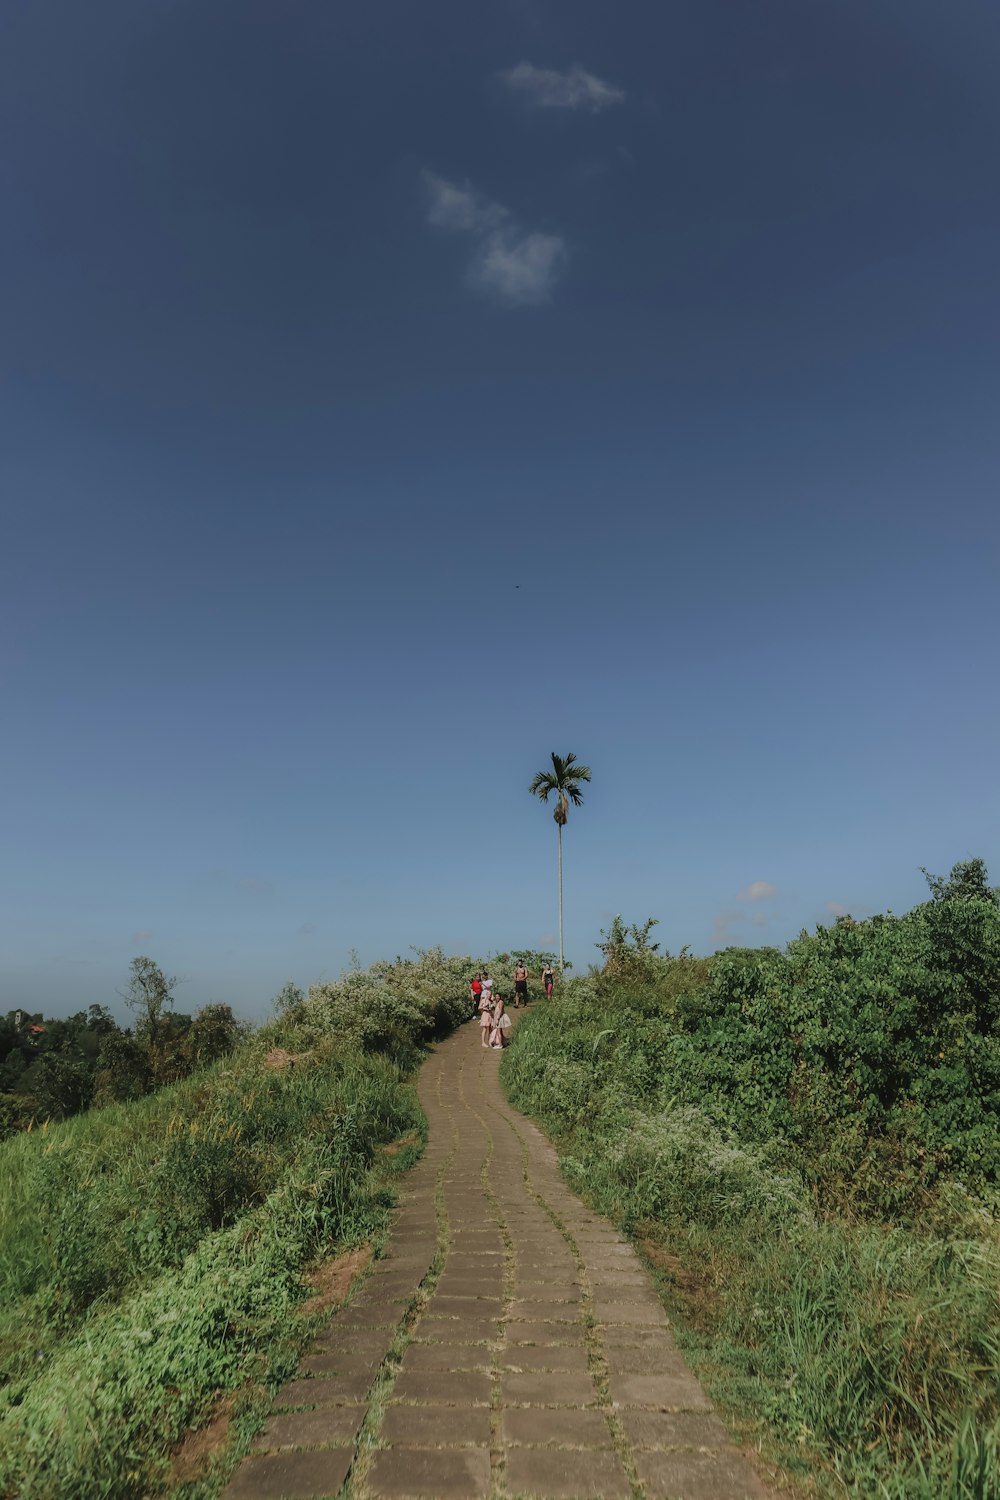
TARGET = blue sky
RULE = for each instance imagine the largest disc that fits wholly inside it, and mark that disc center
(392, 395)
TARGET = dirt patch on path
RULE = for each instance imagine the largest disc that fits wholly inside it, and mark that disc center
(331, 1279)
(393, 1148)
(197, 1446)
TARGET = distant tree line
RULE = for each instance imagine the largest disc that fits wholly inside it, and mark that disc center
(51, 1069)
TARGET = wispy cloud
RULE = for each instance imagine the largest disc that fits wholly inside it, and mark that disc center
(574, 89)
(454, 207)
(519, 269)
(835, 909)
(517, 266)
(757, 890)
(142, 935)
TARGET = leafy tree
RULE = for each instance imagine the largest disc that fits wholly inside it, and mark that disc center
(12, 1069)
(124, 1070)
(625, 959)
(290, 995)
(62, 1085)
(968, 879)
(565, 780)
(214, 1033)
(16, 1113)
(148, 993)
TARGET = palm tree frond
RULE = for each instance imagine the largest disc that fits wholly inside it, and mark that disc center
(543, 784)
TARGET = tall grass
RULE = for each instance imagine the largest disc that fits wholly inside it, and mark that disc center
(868, 1355)
(151, 1254)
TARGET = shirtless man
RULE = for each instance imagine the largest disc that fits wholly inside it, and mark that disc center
(520, 986)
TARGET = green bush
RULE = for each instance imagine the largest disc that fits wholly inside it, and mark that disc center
(756, 1121)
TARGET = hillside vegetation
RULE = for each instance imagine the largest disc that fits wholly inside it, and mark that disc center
(805, 1145)
(152, 1254)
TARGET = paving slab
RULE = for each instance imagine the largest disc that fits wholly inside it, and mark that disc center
(697, 1476)
(299, 1393)
(461, 1388)
(474, 1284)
(290, 1476)
(436, 1426)
(562, 1474)
(541, 1388)
(338, 1388)
(663, 1392)
(332, 1426)
(444, 1357)
(543, 1425)
(435, 1474)
(672, 1429)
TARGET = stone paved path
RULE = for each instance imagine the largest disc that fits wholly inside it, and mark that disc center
(509, 1345)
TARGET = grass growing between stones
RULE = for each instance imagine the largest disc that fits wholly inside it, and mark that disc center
(596, 1362)
(864, 1356)
(368, 1440)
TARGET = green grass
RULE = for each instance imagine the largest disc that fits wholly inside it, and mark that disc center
(864, 1355)
(152, 1255)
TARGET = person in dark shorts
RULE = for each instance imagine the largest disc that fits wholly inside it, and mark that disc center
(520, 985)
(548, 980)
(476, 986)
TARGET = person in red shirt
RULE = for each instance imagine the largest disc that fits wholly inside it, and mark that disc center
(476, 986)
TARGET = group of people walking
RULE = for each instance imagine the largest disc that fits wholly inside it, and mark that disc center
(494, 1022)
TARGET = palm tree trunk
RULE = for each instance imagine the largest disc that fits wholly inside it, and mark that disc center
(562, 961)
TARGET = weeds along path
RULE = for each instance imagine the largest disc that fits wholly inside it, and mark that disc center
(509, 1344)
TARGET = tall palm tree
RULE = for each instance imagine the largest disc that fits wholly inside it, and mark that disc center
(565, 780)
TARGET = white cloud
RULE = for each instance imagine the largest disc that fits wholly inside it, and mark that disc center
(516, 266)
(453, 207)
(550, 89)
(759, 919)
(835, 909)
(519, 269)
(757, 890)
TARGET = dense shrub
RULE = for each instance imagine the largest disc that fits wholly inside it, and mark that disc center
(755, 1122)
(872, 1048)
(390, 1007)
